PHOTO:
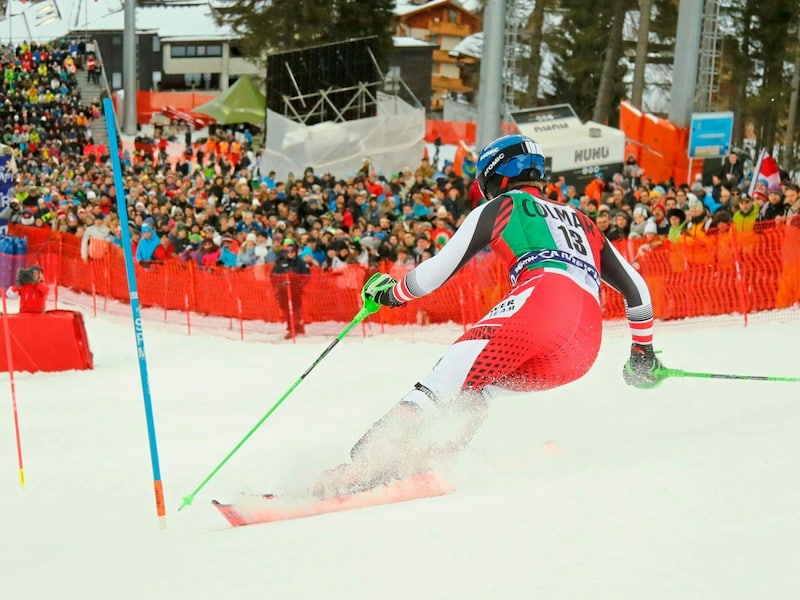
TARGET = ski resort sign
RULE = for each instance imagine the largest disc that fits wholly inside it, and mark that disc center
(710, 134)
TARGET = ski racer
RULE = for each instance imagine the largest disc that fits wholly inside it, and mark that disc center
(544, 333)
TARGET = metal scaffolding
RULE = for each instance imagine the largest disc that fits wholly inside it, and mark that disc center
(709, 59)
(511, 41)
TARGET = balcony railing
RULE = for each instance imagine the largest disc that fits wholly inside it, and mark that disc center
(454, 29)
(443, 56)
(450, 84)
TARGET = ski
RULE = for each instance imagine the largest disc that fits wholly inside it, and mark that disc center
(269, 508)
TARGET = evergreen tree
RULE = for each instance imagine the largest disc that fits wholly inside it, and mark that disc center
(266, 26)
(578, 46)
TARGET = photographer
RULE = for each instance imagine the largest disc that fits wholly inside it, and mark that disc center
(31, 289)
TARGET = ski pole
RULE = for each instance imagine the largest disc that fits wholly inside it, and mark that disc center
(681, 373)
(370, 307)
(10, 363)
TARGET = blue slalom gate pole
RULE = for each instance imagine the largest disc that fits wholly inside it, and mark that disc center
(136, 310)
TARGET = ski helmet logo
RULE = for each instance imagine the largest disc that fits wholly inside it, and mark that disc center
(495, 161)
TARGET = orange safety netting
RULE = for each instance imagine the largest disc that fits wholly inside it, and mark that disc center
(712, 274)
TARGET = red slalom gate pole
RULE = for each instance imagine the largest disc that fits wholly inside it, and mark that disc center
(10, 363)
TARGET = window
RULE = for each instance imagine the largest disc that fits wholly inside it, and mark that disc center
(116, 40)
(156, 44)
(186, 51)
(452, 16)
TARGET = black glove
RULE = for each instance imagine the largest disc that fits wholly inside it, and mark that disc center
(380, 288)
(643, 369)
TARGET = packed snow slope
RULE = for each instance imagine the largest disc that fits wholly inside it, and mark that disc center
(594, 490)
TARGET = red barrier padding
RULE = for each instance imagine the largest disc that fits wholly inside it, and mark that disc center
(50, 341)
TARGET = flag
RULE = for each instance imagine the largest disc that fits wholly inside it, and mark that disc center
(464, 160)
(766, 172)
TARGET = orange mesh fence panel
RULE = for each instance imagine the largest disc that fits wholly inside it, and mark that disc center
(789, 284)
(708, 273)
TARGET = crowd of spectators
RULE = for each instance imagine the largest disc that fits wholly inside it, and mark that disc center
(212, 204)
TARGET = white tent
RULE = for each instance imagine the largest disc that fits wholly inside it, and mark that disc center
(392, 140)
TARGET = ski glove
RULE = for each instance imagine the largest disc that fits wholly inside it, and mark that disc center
(643, 369)
(380, 288)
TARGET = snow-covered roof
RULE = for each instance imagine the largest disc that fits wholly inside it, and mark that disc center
(405, 7)
(185, 20)
(472, 45)
(410, 42)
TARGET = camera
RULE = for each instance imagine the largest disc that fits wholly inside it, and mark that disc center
(25, 276)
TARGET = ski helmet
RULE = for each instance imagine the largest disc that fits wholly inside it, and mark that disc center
(509, 158)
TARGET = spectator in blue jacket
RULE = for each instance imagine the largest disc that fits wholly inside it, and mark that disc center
(147, 245)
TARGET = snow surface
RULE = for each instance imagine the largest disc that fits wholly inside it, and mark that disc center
(594, 490)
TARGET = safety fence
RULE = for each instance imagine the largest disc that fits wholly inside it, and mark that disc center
(708, 275)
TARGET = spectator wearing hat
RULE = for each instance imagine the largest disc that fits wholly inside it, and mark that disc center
(651, 241)
(228, 252)
(27, 218)
(695, 237)
(422, 248)
(622, 226)
(208, 252)
(180, 238)
(759, 196)
(289, 276)
(639, 222)
(246, 256)
(774, 211)
(699, 190)
(147, 244)
(31, 290)
(677, 223)
(659, 219)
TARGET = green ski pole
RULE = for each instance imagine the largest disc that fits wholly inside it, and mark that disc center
(370, 307)
(681, 373)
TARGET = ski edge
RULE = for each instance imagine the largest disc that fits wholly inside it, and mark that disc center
(272, 510)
